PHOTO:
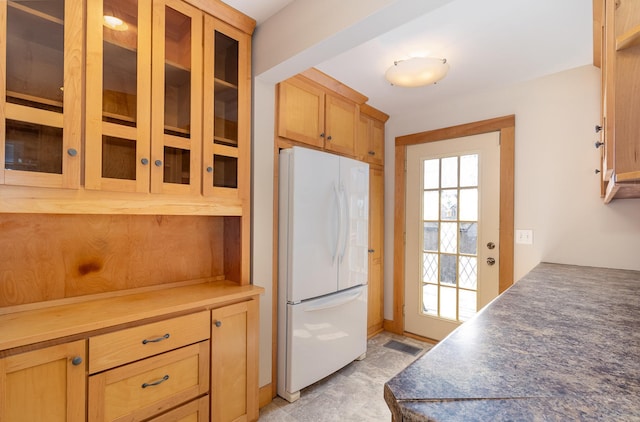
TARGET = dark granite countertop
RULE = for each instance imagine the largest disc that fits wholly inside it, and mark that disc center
(562, 344)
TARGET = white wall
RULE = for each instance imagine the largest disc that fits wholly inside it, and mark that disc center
(556, 191)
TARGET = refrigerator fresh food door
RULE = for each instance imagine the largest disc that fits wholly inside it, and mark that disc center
(310, 222)
(324, 335)
(354, 241)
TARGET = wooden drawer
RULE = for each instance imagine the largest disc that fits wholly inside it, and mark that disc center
(143, 389)
(121, 347)
(195, 411)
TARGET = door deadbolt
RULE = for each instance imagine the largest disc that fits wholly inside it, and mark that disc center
(491, 261)
(491, 245)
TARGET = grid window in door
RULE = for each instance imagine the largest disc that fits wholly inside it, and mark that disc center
(450, 239)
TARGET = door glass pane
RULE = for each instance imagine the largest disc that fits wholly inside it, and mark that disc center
(225, 171)
(469, 204)
(432, 174)
(119, 66)
(431, 205)
(450, 236)
(32, 147)
(430, 268)
(449, 178)
(448, 302)
(35, 54)
(469, 170)
(177, 77)
(431, 237)
(118, 158)
(177, 164)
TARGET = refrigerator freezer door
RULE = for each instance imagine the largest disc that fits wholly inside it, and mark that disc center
(354, 241)
(310, 221)
(323, 336)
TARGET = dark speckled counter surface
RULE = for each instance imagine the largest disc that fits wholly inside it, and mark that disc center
(562, 344)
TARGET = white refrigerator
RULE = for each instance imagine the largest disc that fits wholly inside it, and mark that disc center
(322, 268)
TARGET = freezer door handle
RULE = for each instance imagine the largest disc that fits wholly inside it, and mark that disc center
(337, 302)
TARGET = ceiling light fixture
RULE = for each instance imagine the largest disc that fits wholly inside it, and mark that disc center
(114, 23)
(417, 71)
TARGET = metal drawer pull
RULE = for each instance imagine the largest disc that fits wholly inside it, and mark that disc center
(151, 384)
(156, 340)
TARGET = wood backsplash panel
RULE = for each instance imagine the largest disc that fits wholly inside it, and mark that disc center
(46, 257)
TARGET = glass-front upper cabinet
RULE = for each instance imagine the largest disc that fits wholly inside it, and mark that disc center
(226, 109)
(41, 94)
(118, 127)
(176, 120)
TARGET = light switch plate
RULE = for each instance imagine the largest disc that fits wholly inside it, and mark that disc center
(524, 237)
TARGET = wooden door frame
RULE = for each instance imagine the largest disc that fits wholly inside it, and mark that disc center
(506, 126)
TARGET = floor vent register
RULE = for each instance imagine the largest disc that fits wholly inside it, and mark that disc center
(402, 347)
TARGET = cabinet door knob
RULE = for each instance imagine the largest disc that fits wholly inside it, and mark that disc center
(372, 153)
(144, 161)
(72, 152)
(599, 144)
(322, 135)
(158, 163)
(209, 169)
(218, 323)
(76, 361)
(329, 138)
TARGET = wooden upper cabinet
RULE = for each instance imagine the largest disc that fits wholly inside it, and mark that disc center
(301, 111)
(620, 64)
(45, 385)
(227, 111)
(370, 145)
(41, 50)
(341, 119)
(118, 105)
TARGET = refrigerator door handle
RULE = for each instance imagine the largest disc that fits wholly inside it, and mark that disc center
(342, 300)
(346, 211)
(339, 231)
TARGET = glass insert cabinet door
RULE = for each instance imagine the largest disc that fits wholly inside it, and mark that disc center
(40, 113)
(226, 117)
(118, 100)
(176, 148)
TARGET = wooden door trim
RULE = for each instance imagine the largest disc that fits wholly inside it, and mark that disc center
(506, 126)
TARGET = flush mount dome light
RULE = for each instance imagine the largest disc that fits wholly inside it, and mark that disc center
(417, 71)
(114, 23)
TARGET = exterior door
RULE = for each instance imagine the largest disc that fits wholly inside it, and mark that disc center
(452, 232)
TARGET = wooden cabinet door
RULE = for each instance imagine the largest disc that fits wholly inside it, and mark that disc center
(176, 91)
(341, 119)
(370, 142)
(41, 53)
(44, 385)
(118, 105)
(301, 112)
(234, 362)
(375, 317)
(227, 110)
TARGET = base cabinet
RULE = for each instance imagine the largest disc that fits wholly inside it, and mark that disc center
(168, 358)
(234, 357)
(44, 385)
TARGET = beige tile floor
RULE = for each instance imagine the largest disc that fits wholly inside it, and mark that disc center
(355, 393)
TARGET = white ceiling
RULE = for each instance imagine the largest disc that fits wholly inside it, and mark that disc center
(487, 43)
